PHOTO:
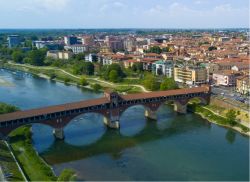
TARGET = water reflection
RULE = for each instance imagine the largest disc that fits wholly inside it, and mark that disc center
(230, 136)
(84, 129)
(113, 142)
(132, 120)
(42, 137)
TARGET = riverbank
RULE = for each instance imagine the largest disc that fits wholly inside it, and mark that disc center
(8, 164)
(33, 166)
(61, 75)
(212, 117)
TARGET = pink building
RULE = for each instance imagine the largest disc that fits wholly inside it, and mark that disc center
(226, 78)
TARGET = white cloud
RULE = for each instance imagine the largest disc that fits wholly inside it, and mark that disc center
(112, 6)
(53, 4)
(123, 13)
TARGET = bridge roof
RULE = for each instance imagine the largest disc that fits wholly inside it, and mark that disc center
(52, 109)
(165, 93)
(94, 102)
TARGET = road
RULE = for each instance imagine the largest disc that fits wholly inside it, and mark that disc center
(228, 92)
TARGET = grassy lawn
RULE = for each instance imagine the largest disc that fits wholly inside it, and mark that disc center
(8, 164)
(127, 89)
(32, 164)
(241, 115)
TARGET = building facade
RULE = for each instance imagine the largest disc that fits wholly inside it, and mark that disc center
(190, 76)
(13, 41)
(225, 78)
(243, 85)
(163, 68)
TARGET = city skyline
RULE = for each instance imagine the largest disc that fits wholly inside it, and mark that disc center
(124, 14)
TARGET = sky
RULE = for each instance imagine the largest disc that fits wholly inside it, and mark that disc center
(124, 13)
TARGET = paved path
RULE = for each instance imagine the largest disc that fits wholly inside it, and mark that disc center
(77, 77)
(1, 175)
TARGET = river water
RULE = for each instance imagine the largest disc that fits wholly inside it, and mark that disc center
(175, 147)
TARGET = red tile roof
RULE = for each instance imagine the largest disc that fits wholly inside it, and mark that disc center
(52, 109)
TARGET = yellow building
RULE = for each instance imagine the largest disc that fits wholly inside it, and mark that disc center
(243, 85)
(190, 76)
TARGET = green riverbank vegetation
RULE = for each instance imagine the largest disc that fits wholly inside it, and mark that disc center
(33, 166)
(8, 164)
(7, 108)
(228, 121)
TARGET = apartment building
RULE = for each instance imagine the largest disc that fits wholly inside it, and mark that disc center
(163, 68)
(78, 48)
(243, 85)
(60, 54)
(225, 78)
(190, 75)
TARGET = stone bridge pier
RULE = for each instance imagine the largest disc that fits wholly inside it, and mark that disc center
(180, 107)
(58, 133)
(112, 120)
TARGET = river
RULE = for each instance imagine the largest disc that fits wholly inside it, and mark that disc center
(175, 147)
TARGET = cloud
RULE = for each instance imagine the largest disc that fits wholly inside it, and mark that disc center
(112, 6)
(124, 13)
(184, 15)
(58, 5)
(43, 6)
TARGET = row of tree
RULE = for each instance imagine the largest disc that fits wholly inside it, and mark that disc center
(34, 57)
(157, 50)
(152, 83)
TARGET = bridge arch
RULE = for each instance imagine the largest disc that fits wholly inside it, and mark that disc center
(85, 129)
(133, 120)
(5, 132)
(74, 117)
(125, 109)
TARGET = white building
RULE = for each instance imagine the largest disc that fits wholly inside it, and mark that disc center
(76, 49)
(163, 68)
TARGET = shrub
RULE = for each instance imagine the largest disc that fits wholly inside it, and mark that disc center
(83, 81)
(66, 175)
(6, 108)
(96, 87)
(66, 80)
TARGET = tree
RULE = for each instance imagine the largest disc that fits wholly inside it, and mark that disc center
(17, 56)
(154, 49)
(231, 116)
(67, 175)
(165, 49)
(113, 76)
(37, 57)
(27, 60)
(83, 81)
(134, 68)
(88, 68)
(168, 84)
(96, 87)
(150, 82)
(137, 67)
(105, 71)
(212, 48)
(80, 56)
(52, 76)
